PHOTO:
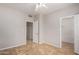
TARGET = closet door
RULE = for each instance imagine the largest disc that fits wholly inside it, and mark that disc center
(76, 41)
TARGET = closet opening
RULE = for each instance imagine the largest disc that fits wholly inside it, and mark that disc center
(29, 32)
(67, 33)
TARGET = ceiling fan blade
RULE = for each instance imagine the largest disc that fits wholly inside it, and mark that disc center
(44, 6)
(40, 6)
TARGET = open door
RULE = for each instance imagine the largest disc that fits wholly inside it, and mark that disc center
(35, 31)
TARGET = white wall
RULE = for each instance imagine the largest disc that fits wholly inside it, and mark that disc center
(68, 29)
(41, 28)
(12, 28)
(52, 24)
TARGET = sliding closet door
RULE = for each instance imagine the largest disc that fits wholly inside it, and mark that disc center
(76, 34)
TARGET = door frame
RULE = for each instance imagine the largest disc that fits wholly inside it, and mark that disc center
(26, 29)
(61, 18)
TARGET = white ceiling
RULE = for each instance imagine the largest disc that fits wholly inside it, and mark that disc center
(29, 8)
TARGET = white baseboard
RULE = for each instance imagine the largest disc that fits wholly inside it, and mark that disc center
(48, 43)
(39, 42)
(51, 44)
(12, 46)
(76, 51)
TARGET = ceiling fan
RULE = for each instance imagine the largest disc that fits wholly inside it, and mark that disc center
(41, 7)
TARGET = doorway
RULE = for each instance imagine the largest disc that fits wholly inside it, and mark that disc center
(67, 32)
(29, 32)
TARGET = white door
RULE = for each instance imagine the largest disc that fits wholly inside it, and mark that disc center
(76, 34)
(35, 31)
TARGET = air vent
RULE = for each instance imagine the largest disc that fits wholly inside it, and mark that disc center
(30, 15)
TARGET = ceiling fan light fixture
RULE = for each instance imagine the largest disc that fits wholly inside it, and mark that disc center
(40, 6)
